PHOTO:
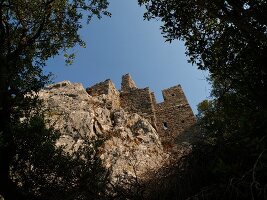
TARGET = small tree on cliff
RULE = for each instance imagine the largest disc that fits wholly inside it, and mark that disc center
(30, 33)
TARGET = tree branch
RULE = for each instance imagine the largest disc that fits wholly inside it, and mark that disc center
(24, 44)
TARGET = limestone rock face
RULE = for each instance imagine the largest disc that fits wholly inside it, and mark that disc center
(131, 144)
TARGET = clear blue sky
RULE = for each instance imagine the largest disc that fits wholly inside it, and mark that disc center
(125, 43)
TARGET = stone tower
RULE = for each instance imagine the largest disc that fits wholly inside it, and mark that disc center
(174, 116)
(136, 100)
(127, 83)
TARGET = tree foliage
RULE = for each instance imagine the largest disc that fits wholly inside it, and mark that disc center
(226, 37)
(42, 170)
(229, 39)
(30, 33)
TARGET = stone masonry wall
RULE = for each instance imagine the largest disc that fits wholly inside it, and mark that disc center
(106, 88)
(127, 83)
(172, 118)
(135, 100)
(174, 115)
(139, 101)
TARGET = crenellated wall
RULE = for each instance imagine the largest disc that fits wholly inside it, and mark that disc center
(171, 118)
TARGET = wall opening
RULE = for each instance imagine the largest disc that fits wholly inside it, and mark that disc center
(165, 125)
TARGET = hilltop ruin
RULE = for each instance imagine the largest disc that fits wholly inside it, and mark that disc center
(170, 118)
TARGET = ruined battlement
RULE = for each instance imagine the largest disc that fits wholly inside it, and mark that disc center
(107, 88)
(127, 83)
(173, 95)
(170, 118)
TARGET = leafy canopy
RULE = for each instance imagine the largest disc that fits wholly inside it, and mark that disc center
(41, 28)
(30, 33)
(229, 39)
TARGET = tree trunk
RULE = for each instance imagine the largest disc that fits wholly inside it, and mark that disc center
(8, 189)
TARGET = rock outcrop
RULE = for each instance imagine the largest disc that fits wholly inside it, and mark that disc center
(131, 144)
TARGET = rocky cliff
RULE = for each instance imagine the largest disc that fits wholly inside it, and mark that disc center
(131, 145)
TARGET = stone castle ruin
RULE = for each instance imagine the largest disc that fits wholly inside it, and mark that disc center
(138, 135)
(171, 118)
